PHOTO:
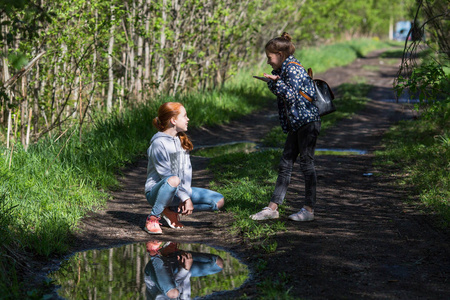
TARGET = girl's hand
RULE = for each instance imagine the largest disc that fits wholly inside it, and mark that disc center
(185, 259)
(272, 77)
(186, 207)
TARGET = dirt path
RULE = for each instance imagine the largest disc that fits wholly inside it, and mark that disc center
(365, 241)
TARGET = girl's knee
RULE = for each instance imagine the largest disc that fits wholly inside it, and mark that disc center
(220, 203)
(174, 181)
(173, 293)
(219, 262)
(307, 167)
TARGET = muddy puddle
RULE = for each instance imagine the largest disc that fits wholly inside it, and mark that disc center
(247, 147)
(152, 270)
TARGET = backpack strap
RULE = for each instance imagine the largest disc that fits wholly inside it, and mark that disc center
(310, 74)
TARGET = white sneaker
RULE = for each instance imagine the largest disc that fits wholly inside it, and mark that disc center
(265, 214)
(302, 215)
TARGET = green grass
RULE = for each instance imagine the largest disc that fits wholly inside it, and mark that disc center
(278, 287)
(247, 184)
(336, 55)
(419, 151)
(225, 149)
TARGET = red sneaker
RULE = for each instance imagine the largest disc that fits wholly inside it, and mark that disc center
(152, 225)
(172, 218)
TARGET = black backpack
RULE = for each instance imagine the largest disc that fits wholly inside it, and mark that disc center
(324, 94)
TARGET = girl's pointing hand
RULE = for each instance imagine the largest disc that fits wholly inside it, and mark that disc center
(272, 77)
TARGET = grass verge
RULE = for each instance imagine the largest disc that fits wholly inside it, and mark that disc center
(340, 54)
(418, 151)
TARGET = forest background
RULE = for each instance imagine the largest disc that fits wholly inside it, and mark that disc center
(88, 55)
(75, 75)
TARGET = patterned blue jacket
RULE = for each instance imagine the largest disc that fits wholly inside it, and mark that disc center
(300, 111)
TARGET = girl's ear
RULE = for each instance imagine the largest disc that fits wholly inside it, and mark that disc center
(172, 121)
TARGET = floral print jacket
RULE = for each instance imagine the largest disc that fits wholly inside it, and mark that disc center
(300, 111)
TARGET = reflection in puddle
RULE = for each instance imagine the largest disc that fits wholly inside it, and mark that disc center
(401, 100)
(153, 270)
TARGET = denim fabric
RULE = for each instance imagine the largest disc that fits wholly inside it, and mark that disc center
(160, 196)
(203, 200)
(160, 274)
(204, 264)
(298, 143)
(161, 271)
(163, 195)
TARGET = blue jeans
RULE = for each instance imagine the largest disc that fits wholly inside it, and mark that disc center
(162, 270)
(298, 143)
(163, 195)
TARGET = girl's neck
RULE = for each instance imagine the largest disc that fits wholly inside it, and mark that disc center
(171, 131)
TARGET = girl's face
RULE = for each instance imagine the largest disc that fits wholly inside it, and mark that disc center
(181, 121)
(274, 59)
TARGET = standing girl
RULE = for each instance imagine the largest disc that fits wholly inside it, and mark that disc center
(169, 172)
(299, 118)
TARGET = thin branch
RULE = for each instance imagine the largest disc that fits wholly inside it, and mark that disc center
(23, 71)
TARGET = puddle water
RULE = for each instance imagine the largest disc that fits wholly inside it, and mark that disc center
(152, 270)
(335, 151)
(247, 147)
(404, 98)
(401, 100)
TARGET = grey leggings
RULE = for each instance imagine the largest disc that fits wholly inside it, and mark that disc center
(298, 143)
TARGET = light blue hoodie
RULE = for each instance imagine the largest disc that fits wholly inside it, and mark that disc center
(166, 157)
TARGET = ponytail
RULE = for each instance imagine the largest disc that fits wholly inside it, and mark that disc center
(185, 141)
(157, 124)
(281, 44)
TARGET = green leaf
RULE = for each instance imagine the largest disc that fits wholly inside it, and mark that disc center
(17, 60)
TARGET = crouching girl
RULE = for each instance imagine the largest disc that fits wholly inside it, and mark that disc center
(169, 172)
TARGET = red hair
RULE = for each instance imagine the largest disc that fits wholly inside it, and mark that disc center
(166, 112)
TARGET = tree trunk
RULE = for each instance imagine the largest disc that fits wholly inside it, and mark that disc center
(162, 43)
(112, 29)
(147, 55)
(23, 110)
(139, 58)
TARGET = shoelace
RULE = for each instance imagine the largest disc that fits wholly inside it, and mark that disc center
(155, 220)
